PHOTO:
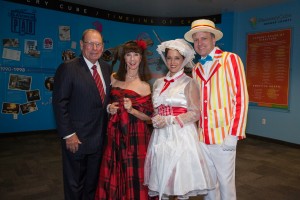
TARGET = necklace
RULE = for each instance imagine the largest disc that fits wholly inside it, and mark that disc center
(132, 77)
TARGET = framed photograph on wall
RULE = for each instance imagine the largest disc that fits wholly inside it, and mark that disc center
(19, 82)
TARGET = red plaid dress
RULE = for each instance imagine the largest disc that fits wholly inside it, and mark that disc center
(122, 168)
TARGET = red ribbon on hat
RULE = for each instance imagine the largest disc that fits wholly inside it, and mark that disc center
(204, 25)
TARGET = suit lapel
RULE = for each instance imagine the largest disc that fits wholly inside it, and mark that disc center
(216, 63)
(215, 66)
(105, 70)
(200, 72)
(105, 74)
(86, 73)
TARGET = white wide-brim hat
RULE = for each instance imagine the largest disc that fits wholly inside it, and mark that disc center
(182, 46)
(203, 25)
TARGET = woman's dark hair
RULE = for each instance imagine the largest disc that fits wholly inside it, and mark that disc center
(166, 53)
(144, 72)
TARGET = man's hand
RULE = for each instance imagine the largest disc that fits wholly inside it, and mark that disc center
(72, 143)
(229, 143)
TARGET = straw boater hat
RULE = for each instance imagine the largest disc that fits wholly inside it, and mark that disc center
(203, 25)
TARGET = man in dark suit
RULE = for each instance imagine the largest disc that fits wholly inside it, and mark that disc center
(81, 116)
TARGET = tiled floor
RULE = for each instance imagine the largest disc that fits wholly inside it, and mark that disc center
(30, 168)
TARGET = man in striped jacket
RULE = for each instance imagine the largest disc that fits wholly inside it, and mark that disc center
(224, 105)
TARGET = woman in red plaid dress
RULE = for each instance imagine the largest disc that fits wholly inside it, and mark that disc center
(122, 169)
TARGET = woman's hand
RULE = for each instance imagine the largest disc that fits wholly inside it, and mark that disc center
(113, 108)
(128, 104)
(159, 121)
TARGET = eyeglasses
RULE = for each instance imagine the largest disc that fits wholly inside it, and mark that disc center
(92, 44)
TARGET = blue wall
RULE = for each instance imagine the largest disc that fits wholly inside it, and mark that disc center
(46, 26)
(280, 124)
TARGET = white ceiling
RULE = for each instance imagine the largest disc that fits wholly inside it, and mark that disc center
(176, 8)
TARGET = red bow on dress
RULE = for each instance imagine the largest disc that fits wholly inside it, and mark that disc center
(168, 82)
(166, 85)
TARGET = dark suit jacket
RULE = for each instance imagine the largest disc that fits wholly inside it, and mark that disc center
(77, 104)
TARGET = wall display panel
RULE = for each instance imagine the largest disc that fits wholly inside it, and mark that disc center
(36, 39)
(268, 68)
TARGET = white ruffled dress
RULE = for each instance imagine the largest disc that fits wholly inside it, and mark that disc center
(175, 164)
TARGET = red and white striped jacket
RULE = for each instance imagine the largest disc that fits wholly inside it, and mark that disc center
(224, 98)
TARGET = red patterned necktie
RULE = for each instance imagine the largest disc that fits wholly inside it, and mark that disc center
(166, 85)
(98, 82)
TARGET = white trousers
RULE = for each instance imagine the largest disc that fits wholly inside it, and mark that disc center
(222, 168)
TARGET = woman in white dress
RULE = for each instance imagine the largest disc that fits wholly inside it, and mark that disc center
(175, 164)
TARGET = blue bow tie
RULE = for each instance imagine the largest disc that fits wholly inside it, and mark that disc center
(203, 60)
